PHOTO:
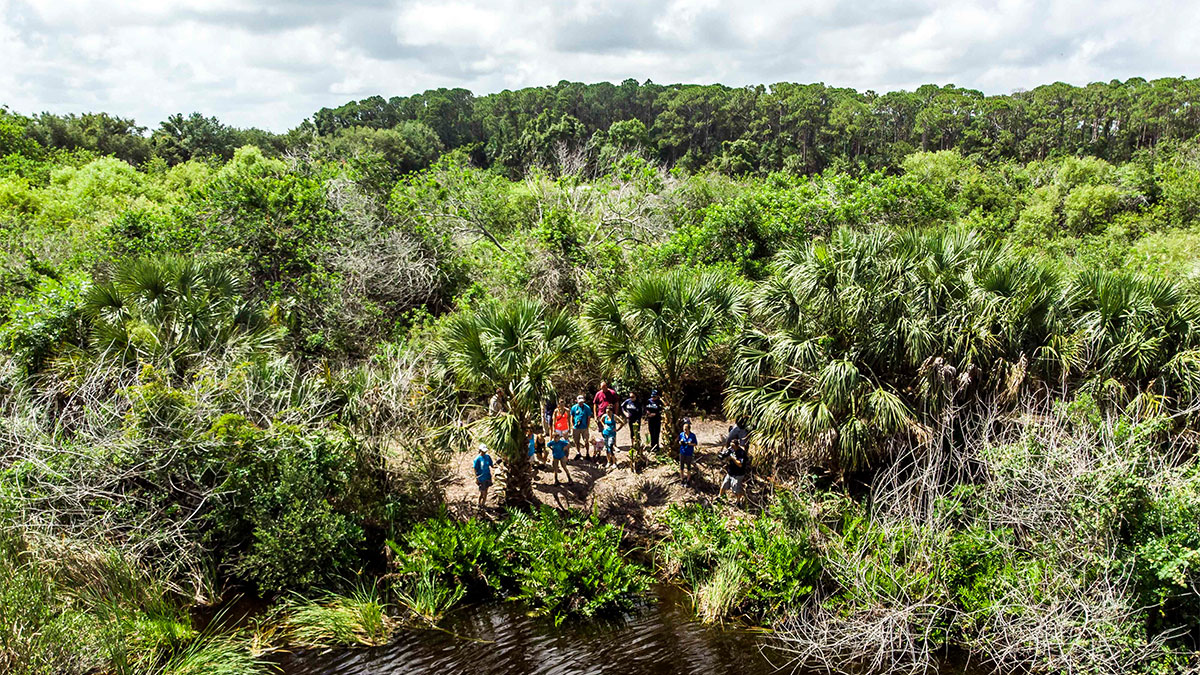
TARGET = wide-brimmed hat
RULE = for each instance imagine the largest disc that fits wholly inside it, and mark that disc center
(483, 447)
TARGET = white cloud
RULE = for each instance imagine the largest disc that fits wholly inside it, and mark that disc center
(272, 64)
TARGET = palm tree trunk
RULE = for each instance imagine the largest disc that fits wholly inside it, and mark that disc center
(518, 480)
(674, 414)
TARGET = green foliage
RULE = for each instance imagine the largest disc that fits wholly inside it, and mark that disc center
(333, 620)
(277, 504)
(764, 568)
(560, 565)
(571, 565)
(51, 319)
(175, 310)
(515, 347)
(660, 326)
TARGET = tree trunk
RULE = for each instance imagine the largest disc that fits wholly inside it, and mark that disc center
(518, 478)
(674, 411)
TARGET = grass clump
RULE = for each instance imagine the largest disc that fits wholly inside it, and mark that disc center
(331, 620)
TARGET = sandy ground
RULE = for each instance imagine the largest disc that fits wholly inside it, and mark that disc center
(618, 495)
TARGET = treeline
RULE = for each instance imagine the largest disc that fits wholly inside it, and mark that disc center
(802, 128)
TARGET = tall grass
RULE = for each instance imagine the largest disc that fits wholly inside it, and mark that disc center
(332, 620)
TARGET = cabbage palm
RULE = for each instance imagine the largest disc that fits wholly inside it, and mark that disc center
(850, 343)
(1133, 329)
(516, 347)
(662, 325)
(176, 310)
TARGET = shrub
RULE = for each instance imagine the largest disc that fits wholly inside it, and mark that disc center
(40, 326)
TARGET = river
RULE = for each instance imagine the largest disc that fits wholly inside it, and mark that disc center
(499, 638)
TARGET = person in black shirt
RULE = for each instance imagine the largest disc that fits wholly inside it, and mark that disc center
(653, 411)
(737, 463)
(631, 409)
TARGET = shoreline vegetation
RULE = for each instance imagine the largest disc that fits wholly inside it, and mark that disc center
(964, 332)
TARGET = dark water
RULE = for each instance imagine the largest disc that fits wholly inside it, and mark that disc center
(661, 638)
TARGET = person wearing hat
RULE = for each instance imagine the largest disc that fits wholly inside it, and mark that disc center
(581, 415)
(687, 451)
(483, 473)
(653, 411)
(559, 449)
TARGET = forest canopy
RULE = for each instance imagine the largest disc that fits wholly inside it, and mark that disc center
(803, 128)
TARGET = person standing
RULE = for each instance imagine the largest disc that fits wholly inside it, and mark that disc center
(562, 419)
(548, 416)
(687, 451)
(497, 406)
(631, 409)
(483, 473)
(610, 422)
(581, 416)
(737, 463)
(737, 433)
(559, 449)
(653, 411)
(604, 397)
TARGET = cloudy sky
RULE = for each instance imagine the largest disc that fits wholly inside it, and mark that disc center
(271, 64)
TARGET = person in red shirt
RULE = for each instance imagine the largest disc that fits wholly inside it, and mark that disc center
(607, 396)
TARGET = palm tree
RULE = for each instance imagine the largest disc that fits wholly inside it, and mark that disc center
(1132, 330)
(178, 311)
(662, 325)
(516, 347)
(876, 334)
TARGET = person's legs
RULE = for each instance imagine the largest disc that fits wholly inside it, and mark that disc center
(724, 485)
(483, 490)
(655, 431)
(578, 438)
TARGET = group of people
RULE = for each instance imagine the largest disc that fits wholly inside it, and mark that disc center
(566, 428)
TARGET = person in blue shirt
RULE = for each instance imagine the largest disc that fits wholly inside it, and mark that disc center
(610, 421)
(687, 451)
(581, 414)
(483, 473)
(537, 448)
(559, 449)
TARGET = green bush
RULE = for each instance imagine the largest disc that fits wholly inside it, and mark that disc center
(763, 568)
(561, 566)
(280, 508)
(51, 319)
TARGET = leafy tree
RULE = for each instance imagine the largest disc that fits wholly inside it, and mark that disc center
(100, 133)
(516, 347)
(180, 138)
(659, 327)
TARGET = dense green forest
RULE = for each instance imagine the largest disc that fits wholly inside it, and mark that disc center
(965, 331)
